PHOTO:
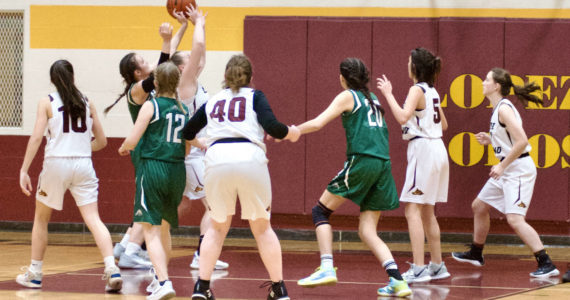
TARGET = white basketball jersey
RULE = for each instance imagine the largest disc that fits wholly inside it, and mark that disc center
(199, 99)
(232, 116)
(500, 138)
(66, 137)
(425, 123)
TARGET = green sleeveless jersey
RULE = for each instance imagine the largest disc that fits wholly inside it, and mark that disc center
(366, 130)
(162, 139)
(134, 108)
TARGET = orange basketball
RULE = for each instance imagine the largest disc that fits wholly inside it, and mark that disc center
(179, 6)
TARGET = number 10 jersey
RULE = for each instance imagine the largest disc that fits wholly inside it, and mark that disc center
(67, 137)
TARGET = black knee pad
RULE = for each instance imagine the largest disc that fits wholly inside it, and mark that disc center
(321, 214)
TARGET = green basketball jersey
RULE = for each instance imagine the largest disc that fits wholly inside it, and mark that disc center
(366, 130)
(134, 108)
(162, 139)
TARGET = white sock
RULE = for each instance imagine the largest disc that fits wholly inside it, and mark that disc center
(125, 240)
(390, 265)
(132, 248)
(109, 261)
(36, 265)
(326, 261)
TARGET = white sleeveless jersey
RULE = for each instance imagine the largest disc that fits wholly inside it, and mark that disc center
(425, 123)
(232, 116)
(500, 138)
(66, 137)
(194, 104)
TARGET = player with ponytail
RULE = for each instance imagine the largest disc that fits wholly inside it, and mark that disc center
(427, 174)
(510, 186)
(366, 178)
(73, 133)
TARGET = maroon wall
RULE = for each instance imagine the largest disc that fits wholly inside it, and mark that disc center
(469, 49)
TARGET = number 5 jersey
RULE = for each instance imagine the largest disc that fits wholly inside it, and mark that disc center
(425, 123)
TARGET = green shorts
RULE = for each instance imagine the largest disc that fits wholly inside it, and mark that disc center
(159, 188)
(368, 182)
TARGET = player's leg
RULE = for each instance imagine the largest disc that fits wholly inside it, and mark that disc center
(213, 241)
(481, 224)
(530, 237)
(367, 232)
(326, 273)
(436, 267)
(134, 257)
(112, 275)
(32, 278)
(413, 213)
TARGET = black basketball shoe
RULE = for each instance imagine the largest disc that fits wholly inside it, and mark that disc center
(545, 270)
(277, 290)
(201, 292)
(469, 257)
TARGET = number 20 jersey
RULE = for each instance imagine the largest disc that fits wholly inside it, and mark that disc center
(425, 123)
(67, 137)
(232, 116)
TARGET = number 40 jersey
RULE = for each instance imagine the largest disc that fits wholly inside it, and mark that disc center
(67, 137)
(232, 116)
(425, 123)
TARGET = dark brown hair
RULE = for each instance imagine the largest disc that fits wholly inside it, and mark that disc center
(62, 76)
(425, 66)
(127, 67)
(503, 78)
(357, 76)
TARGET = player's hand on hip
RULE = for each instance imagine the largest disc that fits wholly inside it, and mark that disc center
(25, 183)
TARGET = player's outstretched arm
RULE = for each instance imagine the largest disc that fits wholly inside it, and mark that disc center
(341, 103)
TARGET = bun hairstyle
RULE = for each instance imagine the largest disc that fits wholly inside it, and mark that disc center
(62, 76)
(238, 72)
(523, 93)
(425, 66)
(127, 67)
(357, 76)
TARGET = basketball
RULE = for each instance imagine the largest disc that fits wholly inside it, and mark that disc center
(179, 6)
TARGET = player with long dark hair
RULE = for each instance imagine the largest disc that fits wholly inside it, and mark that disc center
(71, 121)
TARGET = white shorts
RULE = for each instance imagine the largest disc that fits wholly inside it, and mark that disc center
(194, 189)
(62, 173)
(427, 173)
(511, 194)
(237, 170)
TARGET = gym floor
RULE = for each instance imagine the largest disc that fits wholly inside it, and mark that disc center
(73, 270)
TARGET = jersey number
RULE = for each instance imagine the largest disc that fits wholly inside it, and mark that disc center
(236, 110)
(75, 127)
(436, 116)
(374, 117)
(172, 135)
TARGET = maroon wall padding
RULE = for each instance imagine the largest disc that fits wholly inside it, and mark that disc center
(537, 48)
(393, 39)
(466, 46)
(329, 42)
(282, 76)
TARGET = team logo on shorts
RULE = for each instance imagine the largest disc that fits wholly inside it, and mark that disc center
(198, 189)
(417, 192)
(521, 205)
(42, 193)
(138, 213)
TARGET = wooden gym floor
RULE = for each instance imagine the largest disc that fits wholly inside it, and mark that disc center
(73, 270)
